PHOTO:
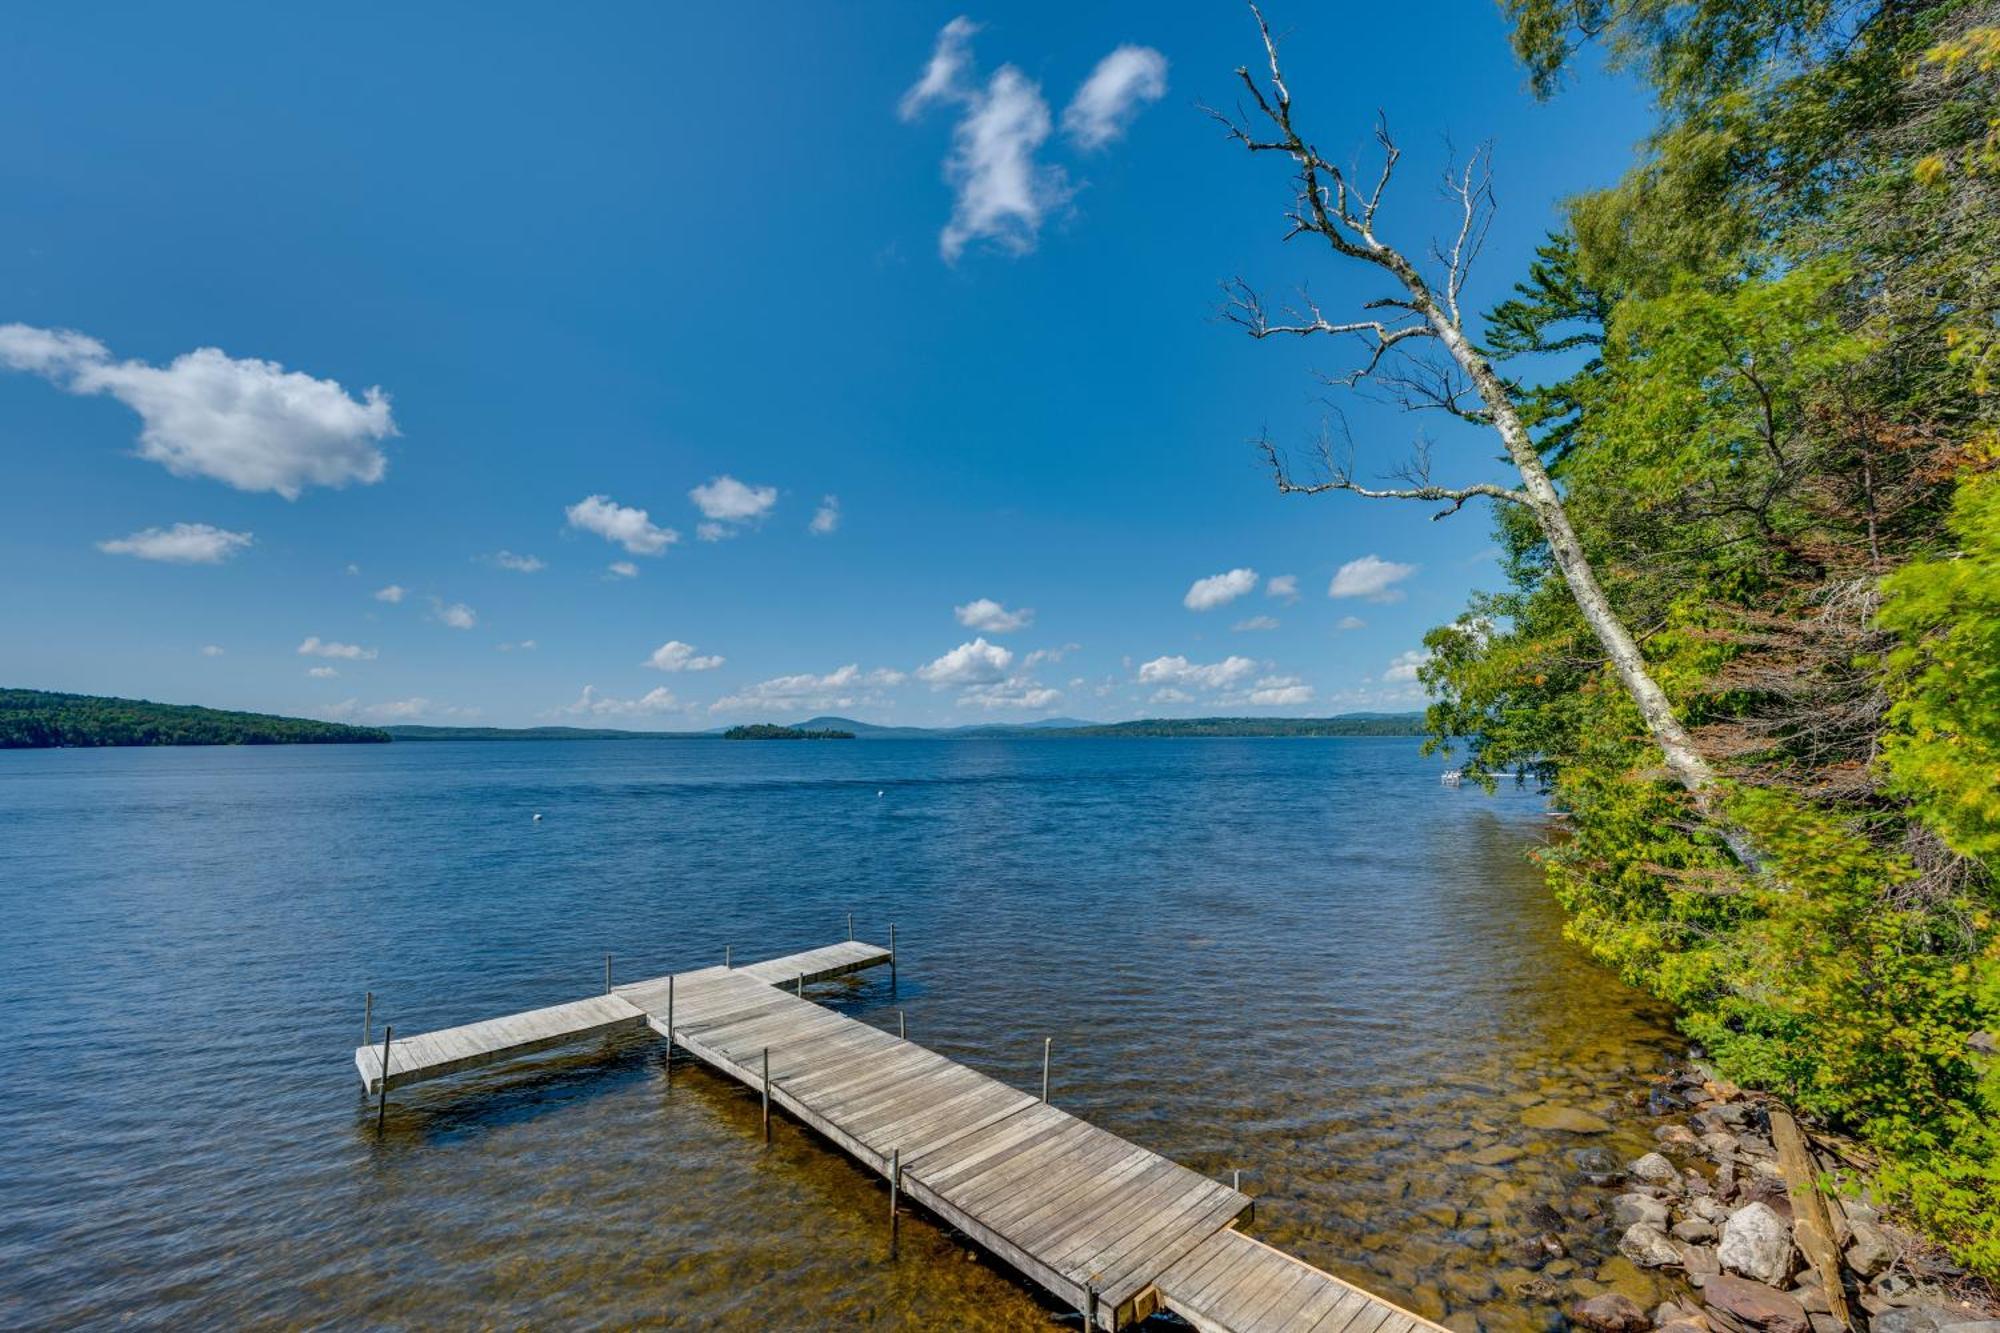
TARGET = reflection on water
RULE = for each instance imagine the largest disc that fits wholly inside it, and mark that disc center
(1304, 959)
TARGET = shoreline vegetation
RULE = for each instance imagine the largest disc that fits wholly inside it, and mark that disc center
(43, 719)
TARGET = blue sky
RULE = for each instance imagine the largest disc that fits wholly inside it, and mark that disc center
(299, 312)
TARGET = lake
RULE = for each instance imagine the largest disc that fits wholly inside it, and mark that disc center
(1306, 959)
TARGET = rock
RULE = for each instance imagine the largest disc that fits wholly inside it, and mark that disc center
(1496, 1154)
(1677, 1136)
(1698, 1260)
(1869, 1251)
(1444, 1140)
(1647, 1246)
(1695, 1325)
(1914, 1319)
(1544, 1218)
(1719, 1144)
(1569, 1119)
(1610, 1313)
(1444, 1214)
(1973, 1326)
(1757, 1305)
(1812, 1299)
(1694, 1230)
(1825, 1323)
(1462, 1321)
(1627, 1209)
(1757, 1243)
(1427, 1301)
(1621, 1275)
(1471, 1286)
(1535, 1251)
(1655, 1170)
(1710, 1209)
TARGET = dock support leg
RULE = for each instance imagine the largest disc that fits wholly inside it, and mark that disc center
(767, 1094)
(725, 957)
(1046, 1041)
(670, 1027)
(892, 957)
(382, 1095)
(607, 974)
(1090, 1305)
(850, 927)
(902, 1026)
(895, 1188)
(368, 1018)
(802, 986)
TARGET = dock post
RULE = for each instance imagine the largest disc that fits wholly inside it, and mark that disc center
(902, 1027)
(1090, 1305)
(368, 1018)
(725, 957)
(670, 1027)
(767, 1094)
(892, 955)
(802, 986)
(895, 1187)
(607, 974)
(850, 927)
(382, 1094)
(1045, 1069)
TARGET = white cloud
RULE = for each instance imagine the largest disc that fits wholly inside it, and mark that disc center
(623, 569)
(1282, 585)
(1169, 695)
(1219, 589)
(322, 672)
(713, 532)
(314, 646)
(212, 650)
(182, 544)
(1110, 98)
(1003, 193)
(944, 77)
(457, 615)
(1371, 577)
(395, 592)
(525, 645)
(826, 518)
(402, 710)
(1350, 622)
(1016, 692)
(975, 663)
(842, 688)
(592, 704)
(673, 655)
(251, 424)
(631, 528)
(727, 500)
(1404, 668)
(353, 568)
(984, 613)
(1256, 623)
(1178, 670)
(1280, 692)
(525, 564)
(1041, 655)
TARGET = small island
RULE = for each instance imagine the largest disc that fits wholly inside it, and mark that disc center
(765, 731)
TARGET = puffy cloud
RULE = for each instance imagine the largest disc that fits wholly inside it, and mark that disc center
(974, 663)
(1169, 695)
(1370, 577)
(713, 532)
(392, 594)
(1350, 622)
(826, 518)
(1256, 623)
(212, 650)
(673, 655)
(592, 704)
(524, 564)
(182, 544)
(1219, 589)
(727, 500)
(1280, 692)
(631, 528)
(322, 672)
(457, 615)
(986, 614)
(944, 77)
(623, 569)
(314, 646)
(1041, 655)
(1177, 671)
(1404, 668)
(1015, 692)
(251, 424)
(842, 688)
(1105, 106)
(1282, 585)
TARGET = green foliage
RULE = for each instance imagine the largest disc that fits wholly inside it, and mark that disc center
(38, 719)
(765, 731)
(1788, 319)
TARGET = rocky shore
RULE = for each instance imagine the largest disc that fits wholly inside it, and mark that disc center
(1712, 1220)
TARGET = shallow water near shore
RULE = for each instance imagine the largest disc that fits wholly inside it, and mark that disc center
(1305, 959)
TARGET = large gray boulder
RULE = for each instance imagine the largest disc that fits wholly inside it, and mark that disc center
(1629, 1209)
(1647, 1246)
(1757, 1243)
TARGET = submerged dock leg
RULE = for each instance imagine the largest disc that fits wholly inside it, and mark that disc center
(767, 1094)
(368, 1018)
(382, 1096)
(1046, 1043)
(607, 974)
(895, 1187)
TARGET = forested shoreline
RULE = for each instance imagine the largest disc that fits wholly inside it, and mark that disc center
(44, 719)
(1778, 453)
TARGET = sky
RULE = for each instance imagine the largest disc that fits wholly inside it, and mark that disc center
(667, 367)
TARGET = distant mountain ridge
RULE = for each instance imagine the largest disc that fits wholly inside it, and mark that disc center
(1345, 724)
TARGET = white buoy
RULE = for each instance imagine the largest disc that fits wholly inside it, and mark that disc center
(538, 816)
(878, 795)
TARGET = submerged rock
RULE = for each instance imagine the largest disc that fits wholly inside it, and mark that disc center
(1569, 1119)
(1757, 1243)
(1655, 1170)
(1610, 1313)
(1628, 1209)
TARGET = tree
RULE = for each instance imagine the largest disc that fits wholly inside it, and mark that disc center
(1421, 316)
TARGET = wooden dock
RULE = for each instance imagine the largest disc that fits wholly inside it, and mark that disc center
(1107, 1227)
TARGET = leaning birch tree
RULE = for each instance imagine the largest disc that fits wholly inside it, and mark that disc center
(1421, 314)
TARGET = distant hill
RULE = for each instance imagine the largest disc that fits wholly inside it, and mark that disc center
(411, 732)
(42, 719)
(1346, 724)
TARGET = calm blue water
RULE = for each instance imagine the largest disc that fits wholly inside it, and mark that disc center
(1306, 959)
